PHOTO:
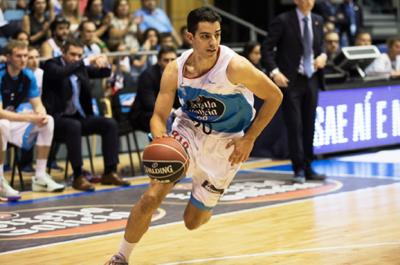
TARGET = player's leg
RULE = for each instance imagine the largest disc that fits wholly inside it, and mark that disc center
(6, 191)
(140, 218)
(196, 214)
(43, 181)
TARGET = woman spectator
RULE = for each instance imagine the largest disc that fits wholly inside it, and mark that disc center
(124, 27)
(71, 13)
(252, 51)
(37, 22)
(150, 42)
(95, 12)
(21, 35)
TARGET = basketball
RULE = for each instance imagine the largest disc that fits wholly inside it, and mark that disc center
(165, 160)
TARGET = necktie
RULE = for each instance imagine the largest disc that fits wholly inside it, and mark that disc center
(307, 46)
(75, 95)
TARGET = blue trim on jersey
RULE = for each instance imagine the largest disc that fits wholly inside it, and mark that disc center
(223, 112)
(198, 204)
(28, 140)
(33, 91)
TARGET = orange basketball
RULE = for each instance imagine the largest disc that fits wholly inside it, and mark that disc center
(165, 160)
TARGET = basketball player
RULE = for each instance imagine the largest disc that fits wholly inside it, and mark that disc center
(215, 87)
(23, 124)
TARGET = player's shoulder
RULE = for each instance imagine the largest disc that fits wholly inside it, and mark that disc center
(238, 63)
(171, 71)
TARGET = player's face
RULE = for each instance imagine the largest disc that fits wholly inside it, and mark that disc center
(73, 54)
(206, 39)
(18, 58)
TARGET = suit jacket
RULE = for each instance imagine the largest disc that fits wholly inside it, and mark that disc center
(143, 106)
(57, 88)
(283, 46)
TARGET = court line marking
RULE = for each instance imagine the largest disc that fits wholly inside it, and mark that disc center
(288, 251)
(214, 217)
(338, 175)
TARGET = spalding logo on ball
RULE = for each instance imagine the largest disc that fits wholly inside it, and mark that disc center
(165, 160)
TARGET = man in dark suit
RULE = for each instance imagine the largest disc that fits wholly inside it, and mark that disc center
(293, 56)
(67, 97)
(148, 89)
(350, 21)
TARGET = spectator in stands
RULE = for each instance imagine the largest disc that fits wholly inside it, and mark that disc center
(87, 34)
(272, 142)
(363, 38)
(148, 89)
(37, 22)
(327, 9)
(388, 64)
(350, 20)
(70, 10)
(59, 32)
(67, 97)
(153, 17)
(186, 44)
(95, 12)
(332, 47)
(151, 41)
(21, 35)
(22, 125)
(124, 27)
(166, 39)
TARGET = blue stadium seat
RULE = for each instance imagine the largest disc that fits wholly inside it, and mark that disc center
(13, 14)
(3, 42)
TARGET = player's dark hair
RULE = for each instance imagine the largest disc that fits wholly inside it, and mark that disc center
(201, 14)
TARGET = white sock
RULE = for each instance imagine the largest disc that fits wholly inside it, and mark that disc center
(41, 167)
(126, 248)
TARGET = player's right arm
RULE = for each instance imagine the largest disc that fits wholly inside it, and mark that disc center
(165, 100)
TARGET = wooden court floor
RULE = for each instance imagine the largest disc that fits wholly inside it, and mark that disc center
(358, 227)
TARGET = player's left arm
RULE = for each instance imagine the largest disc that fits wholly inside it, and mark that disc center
(241, 71)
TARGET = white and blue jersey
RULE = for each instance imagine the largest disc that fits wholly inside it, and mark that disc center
(212, 100)
(213, 112)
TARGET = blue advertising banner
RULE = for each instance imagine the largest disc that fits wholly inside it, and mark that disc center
(357, 118)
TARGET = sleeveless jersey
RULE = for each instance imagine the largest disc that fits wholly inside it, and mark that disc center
(211, 100)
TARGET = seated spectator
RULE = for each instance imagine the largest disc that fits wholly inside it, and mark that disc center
(67, 97)
(70, 10)
(252, 51)
(153, 17)
(20, 124)
(388, 64)
(151, 41)
(59, 32)
(37, 22)
(87, 34)
(124, 27)
(332, 47)
(363, 38)
(95, 12)
(186, 44)
(148, 89)
(166, 39)
(21, 35)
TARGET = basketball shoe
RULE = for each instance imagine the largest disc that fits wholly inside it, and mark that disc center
(7, 193)
(117, 259)
(46, 183)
